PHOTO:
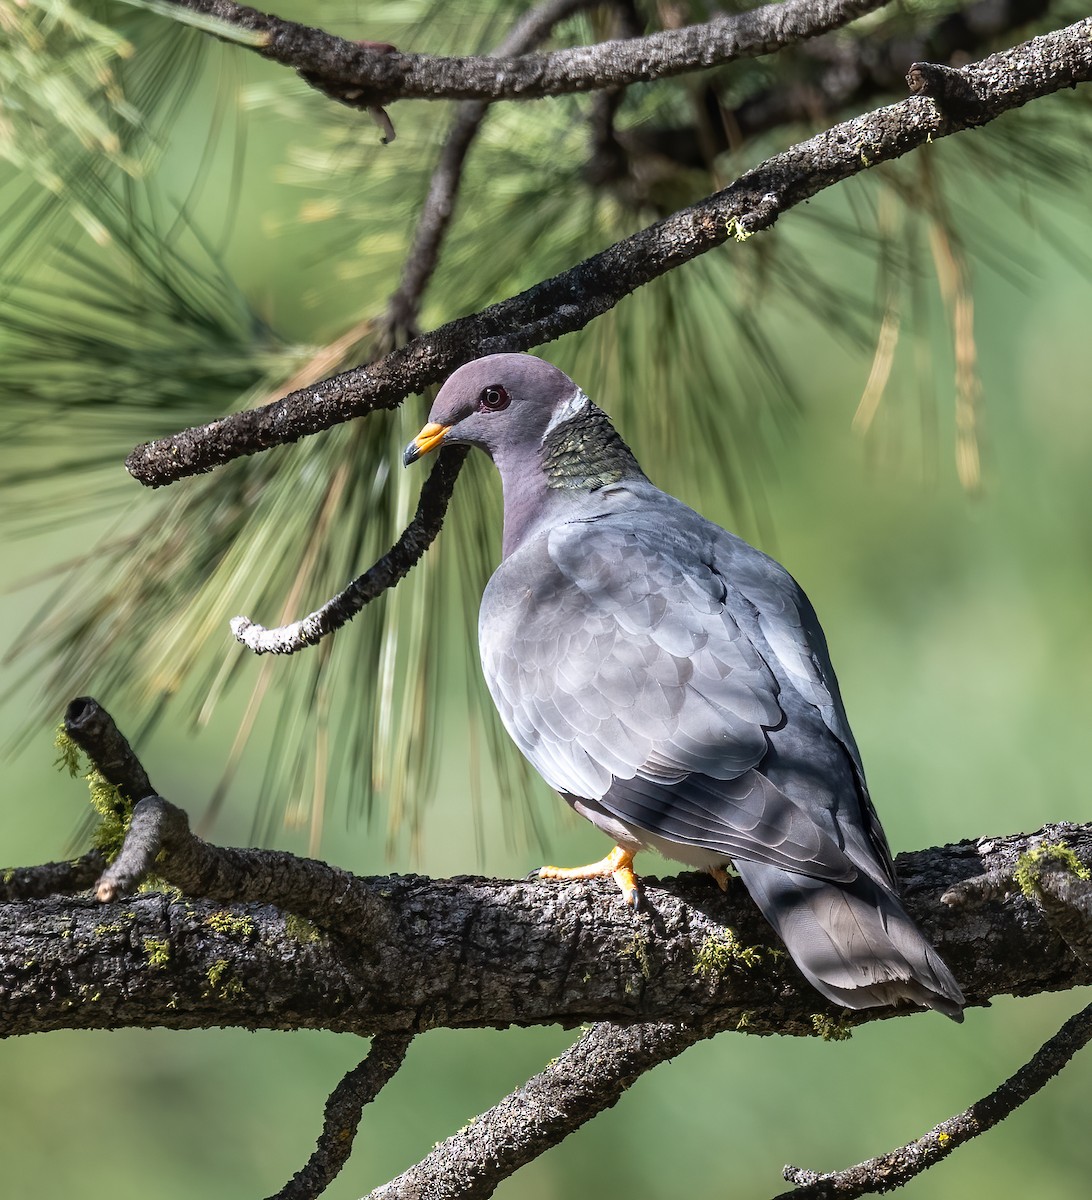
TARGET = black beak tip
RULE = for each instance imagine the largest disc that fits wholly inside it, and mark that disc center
(410, 455)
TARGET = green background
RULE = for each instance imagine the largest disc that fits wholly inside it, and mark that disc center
(960, 629)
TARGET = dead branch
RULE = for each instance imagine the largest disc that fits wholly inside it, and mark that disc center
(399, 560)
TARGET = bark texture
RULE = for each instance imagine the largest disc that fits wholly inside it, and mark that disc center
(407, 953)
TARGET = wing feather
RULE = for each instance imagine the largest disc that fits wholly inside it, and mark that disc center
(635, 671)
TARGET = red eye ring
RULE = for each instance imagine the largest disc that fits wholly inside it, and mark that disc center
(493, 399)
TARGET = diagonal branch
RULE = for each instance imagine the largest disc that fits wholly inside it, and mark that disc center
(590, 1077)
(341, 1116)
(892, 1170)
(366, 77)
(571, 300)
(399, 560)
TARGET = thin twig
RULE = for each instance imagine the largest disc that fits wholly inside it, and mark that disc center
(571, 300)
(590, 1077)
(439, 205)
(892, 1170)
(399, 560)
(341, 1116)
(368, 78)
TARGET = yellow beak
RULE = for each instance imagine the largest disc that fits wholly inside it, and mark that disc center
(428, 439)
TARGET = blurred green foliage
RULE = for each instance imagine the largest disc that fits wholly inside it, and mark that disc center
(213, 228)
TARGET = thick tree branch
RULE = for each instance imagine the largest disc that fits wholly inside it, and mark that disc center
(393, 956)
(590, 1077)
(356, 74)
(403, 953)
(569, 301)
(893, 1170)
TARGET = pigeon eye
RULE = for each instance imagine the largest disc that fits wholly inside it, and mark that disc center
(493, 399)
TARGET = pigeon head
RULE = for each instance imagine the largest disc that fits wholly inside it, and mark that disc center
(505, 404)
(552, 446)
(532, 420)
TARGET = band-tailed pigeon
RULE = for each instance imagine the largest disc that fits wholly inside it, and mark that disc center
(673, 684)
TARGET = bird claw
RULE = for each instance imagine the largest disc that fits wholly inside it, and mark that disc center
(618, 864)
(720, 875)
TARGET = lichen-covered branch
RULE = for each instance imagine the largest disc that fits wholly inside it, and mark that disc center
(588, 1078)
(367, 77)
(571, 300)
(263, 939)
(889, 1171)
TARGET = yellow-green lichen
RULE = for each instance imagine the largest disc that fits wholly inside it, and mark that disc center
(113, 809)
(225, 987)
(229, 925)
(637, 948)
(217, 971)
(1028, 866)
(232, 990)
(722, 950)
(158, 885)
(830, 1029)
(299, 929)
(9, 875)
(68, 753)
(103, 930)
(738, 230)
(158, 952)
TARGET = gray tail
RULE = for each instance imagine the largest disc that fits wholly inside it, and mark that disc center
(855, 943)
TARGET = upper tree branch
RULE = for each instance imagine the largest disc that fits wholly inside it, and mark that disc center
(366, 77)
(571, 300)
(443, 188)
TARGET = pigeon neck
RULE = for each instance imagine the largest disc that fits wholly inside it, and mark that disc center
(585, 453)
(578, 457)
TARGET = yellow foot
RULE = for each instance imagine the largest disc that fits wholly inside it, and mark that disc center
(720, 875)
(618, 864)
